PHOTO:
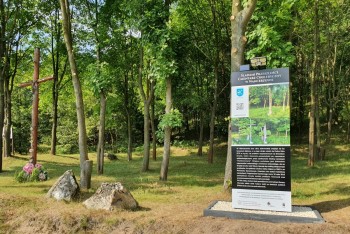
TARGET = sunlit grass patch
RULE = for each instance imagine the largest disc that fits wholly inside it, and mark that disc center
(325, 181)
(190, 179)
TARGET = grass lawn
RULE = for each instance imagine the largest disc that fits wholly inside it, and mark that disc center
(191, 180)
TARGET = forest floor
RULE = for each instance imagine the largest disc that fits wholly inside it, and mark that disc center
(172, 207)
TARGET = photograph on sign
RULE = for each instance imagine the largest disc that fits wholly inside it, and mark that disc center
(266, 116)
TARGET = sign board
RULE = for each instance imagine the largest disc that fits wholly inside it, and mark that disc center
(260, 118)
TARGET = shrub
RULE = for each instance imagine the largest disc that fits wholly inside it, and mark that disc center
(31, 172)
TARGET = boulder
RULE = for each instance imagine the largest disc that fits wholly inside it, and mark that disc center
(66, 187)
(110, 196)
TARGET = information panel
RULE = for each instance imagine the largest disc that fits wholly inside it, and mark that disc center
(260, 116)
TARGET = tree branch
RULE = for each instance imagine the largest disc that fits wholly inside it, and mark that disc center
(248, 12)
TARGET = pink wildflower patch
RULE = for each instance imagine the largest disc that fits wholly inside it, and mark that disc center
(28, 168)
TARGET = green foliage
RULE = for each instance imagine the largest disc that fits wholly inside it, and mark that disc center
(172, 120)
(21, 177)
(182, 44)
(277, 112)
(272, 130)
(67, 148)
(269, 33)
(21, 120)
(99, 77)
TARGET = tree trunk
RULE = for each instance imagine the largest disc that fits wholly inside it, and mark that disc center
(146, 101)
(239, 20)
(54, 122)
(55, 96)
(216, 78)
(329, 124)
(146, 138)
(101, 134)
(228, 166)
(85, 173)
(127, 114)
(312, 147)
(85, 176)
(56, 80)
(1, 111)
(317, 119)
(129, 136)
(167, 133)
(311, 159)
(201, 128)
(300, 100)
(2, 74)
(9, 46)
(7, 120)
(9, 80)
(212, 118)
(153, 127)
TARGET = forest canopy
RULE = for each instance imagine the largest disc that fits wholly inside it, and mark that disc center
(163, 70)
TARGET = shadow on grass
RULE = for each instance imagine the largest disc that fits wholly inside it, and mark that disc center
(20, 158)
(328, 206)
(340, 189)
(183, 171)
(336, 163)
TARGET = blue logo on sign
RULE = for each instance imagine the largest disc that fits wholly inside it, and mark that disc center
(240, 92)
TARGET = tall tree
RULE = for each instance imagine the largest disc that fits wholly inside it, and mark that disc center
(239, 21)
(56, 56)
(94, 15)
(17, 19)
(313, 96)
(217, 61)
(2, 71)
(154, 37)
(147, 96)
(85, 163)
(168, 107)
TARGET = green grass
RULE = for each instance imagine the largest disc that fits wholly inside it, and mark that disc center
(186, 170)
(277, 112)
(328, 180)
(190, 177)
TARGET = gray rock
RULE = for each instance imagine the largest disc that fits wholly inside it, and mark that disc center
(66, 187)
(110, 196)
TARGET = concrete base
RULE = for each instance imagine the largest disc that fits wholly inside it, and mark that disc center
(273, 217)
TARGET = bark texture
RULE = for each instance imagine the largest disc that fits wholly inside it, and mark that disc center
(167, 134)
(239, 21)
(2, 72)
(85, 178)
(146, 98)
(101, 134)
(312, 120)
